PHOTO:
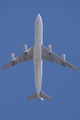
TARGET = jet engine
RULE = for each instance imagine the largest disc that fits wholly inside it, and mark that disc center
(12, 56)
(49, 48)
(63, 57)
(25, 48)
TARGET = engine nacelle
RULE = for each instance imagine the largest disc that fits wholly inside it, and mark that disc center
(63, 57)
(49, 48)
(25, 48)
(12, 56)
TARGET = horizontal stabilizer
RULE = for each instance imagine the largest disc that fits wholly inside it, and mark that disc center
(44, 96)
(34, 95)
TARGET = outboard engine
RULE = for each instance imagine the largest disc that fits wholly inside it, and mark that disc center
(63, 57)
(25, 47)
(12, 56)
(49, 48)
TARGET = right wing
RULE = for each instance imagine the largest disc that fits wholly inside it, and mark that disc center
(21, 58)
(50, 57)
(55, 58)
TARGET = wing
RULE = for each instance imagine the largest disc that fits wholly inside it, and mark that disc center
(55, 58)
(21, 58)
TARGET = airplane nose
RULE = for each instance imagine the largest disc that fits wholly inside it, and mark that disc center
(38, 19)
(38, 15)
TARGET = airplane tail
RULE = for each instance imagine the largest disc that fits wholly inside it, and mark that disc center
(34, 95)
(42, 96)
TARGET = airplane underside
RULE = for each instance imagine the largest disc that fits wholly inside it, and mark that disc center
(38, 53)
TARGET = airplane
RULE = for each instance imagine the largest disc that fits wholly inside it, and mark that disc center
(38, 53)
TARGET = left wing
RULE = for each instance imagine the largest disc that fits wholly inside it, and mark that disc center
(21, 58)
(55, 58)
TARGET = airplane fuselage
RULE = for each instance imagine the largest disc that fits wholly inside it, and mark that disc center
(37, 54)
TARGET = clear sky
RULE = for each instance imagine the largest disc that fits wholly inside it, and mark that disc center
(61, 22)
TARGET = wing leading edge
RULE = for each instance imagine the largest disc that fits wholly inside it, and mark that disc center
(28, 55)
(55, 58)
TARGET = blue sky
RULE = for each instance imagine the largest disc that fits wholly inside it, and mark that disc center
(61, 22)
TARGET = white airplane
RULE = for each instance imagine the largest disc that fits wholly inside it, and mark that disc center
(38, 53)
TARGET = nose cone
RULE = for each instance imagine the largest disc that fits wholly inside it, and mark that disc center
(38, 18)
(38, 15)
